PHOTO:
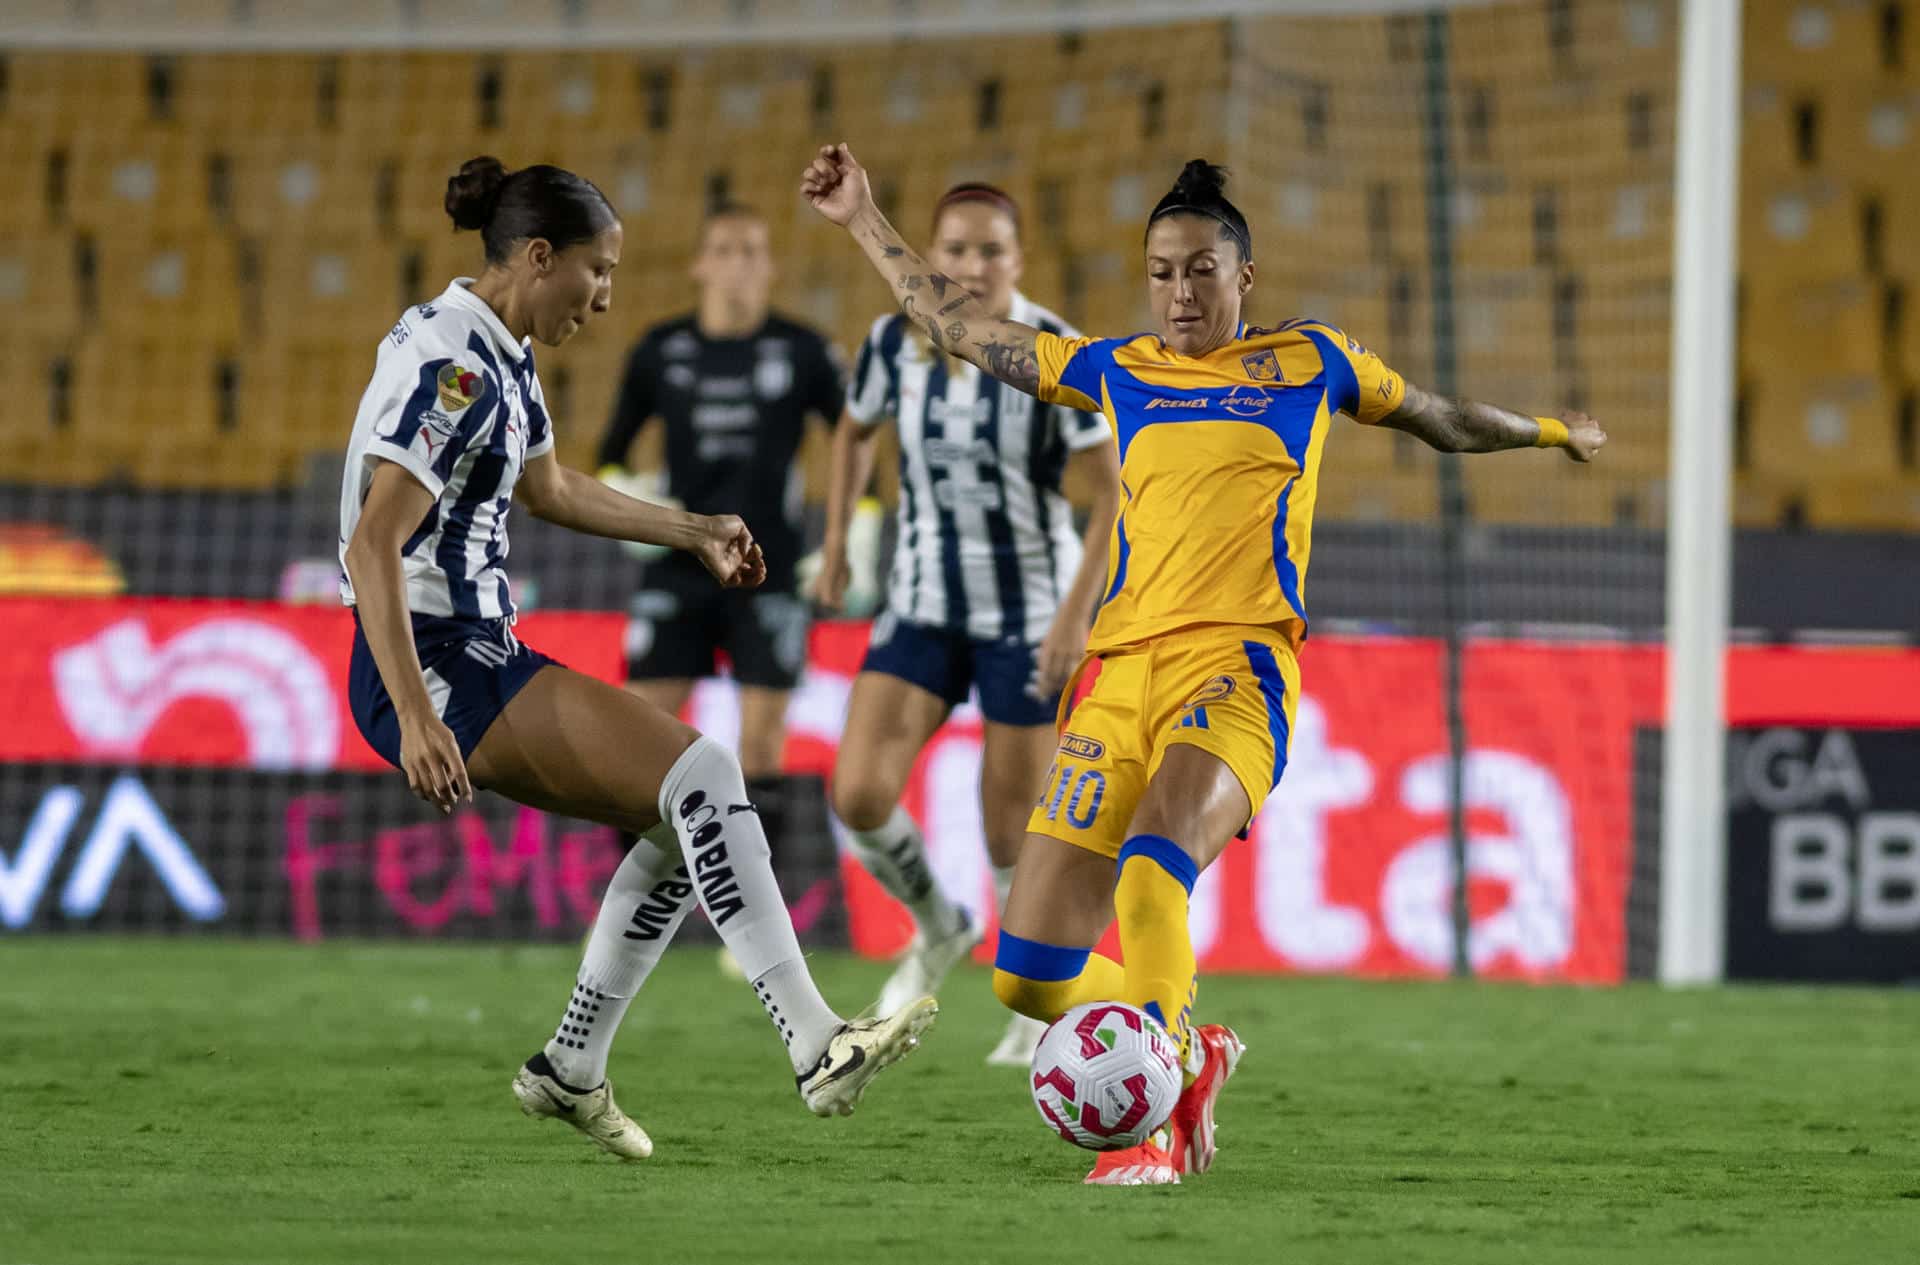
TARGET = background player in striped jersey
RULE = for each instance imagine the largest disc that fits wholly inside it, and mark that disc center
(451, 430)
(990, 589)
(1221, 427)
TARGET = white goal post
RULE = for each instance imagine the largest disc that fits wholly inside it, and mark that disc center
(1706, 221)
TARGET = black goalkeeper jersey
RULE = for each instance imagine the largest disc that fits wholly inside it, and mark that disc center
(735, 410)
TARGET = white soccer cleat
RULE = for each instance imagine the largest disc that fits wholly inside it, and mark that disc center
(926, 964)
(1017, 1043)
(857, 1052)
(593, 1113)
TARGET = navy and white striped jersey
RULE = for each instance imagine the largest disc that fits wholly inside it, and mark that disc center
(986, 542)
(455, 402)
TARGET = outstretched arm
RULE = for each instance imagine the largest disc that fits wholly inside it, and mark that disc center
(954, 320)
(721, 541)
(1461, 425)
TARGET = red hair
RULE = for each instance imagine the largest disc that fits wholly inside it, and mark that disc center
(975, 191)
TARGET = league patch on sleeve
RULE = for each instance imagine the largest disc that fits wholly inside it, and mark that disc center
(459, 387)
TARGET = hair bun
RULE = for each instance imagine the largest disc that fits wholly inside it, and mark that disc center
(472, 193)
(1201, 182)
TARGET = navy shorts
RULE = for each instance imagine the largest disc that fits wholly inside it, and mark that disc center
(473, 668)
(946, 663)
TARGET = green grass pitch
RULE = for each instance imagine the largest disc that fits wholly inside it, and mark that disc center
(195, 1100)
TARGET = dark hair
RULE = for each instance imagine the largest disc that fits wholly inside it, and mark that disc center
(976, 191)
(1201, 190)
(728, 209)
(725, 209)
(505, 207)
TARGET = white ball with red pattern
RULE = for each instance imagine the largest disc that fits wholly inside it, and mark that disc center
(1105, 1075)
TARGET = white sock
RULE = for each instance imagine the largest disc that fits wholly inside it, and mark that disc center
(1002, 884)
(646, 899)
(705, 798)
(896, 855)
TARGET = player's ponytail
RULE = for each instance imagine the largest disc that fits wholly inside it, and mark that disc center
(1201, 190)
(474, 191)
(505, 207)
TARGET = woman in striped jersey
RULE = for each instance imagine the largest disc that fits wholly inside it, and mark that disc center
(451, 432)
(990, 589)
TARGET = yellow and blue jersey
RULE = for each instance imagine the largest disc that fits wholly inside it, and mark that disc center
(1219, 468)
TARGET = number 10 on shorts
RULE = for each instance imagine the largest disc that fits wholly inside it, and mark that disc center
(1078, 790)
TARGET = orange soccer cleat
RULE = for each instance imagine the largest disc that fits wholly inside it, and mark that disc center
(1148, 1164)
(1192, 1122)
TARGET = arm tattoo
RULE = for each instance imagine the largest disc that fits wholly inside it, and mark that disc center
(961, 326)
(1012, 362)
(1462, 425)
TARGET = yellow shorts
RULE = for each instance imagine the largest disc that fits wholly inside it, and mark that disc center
(1228, 690)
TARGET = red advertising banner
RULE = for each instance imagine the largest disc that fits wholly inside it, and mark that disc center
(1346, 867)
(234, 684)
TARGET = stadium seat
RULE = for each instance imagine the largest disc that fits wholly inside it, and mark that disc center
(1809, 230)
(1816, 429)
(136, 182)
(182, 288)
(39, 286)
(1829, 329)
(1811, 44)
(348, 288)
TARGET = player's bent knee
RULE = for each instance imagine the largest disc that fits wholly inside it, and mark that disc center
(1037, 999)
(1034, 978)
(863, 802)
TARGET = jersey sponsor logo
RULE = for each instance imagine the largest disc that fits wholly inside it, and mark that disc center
(951, 495)
(458, 387)
(773, 376)
(439, 421)
(1083, 747)
(1262, 366)
(399, 333)
(1240, 401)
(1247, 402)
(947, 452)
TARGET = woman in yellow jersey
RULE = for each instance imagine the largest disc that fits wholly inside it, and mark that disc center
(1221, 427)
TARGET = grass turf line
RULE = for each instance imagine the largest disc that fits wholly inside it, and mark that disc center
(228, 1101)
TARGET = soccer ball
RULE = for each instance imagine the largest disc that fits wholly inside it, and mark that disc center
(1106, 1075)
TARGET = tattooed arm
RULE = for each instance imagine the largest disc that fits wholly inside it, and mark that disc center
(1460, 425)
(953, 319)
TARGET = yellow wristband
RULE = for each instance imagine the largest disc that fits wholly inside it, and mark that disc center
(1553, 433)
